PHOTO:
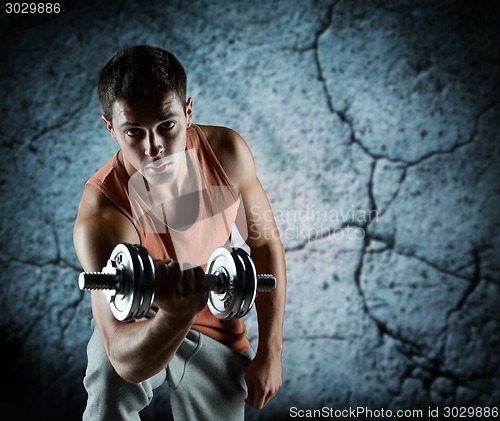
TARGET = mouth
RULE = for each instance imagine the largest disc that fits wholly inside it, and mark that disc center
(157, 167)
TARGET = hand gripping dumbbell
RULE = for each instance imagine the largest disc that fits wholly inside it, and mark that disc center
(128, 280)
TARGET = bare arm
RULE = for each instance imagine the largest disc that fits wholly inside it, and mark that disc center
(264, 374)
(137, 350)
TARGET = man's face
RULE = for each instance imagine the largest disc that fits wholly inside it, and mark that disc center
(152, 135)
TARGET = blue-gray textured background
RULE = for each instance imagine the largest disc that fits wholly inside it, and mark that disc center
(374, 126)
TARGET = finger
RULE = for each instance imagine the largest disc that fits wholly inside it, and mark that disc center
(174, 280)
(255, 396)
(161, 268)
(201, 281)
(259, 398)
(188, 282)
(250, 395)
(268, 397)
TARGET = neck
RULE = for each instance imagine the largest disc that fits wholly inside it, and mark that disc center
(184, 182)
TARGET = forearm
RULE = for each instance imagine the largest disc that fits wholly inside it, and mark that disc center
(271, 306)
(264, 373)
(140, 349)
(147, 347)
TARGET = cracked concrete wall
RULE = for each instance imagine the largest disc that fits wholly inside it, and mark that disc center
(374, 126)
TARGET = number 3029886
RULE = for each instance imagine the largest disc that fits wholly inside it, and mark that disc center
(24, 8)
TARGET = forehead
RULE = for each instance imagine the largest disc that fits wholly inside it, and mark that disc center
(149, 107)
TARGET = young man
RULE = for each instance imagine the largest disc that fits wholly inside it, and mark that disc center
(176, 188)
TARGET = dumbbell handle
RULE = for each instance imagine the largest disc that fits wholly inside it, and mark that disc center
(217, 282)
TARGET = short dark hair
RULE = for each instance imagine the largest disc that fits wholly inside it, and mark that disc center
(140, 71)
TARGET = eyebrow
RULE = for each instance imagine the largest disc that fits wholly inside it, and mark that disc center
(162, 117)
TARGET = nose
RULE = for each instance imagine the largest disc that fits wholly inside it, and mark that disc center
(155, 148)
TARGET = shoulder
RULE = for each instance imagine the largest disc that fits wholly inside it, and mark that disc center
(233, 153)
(225, 141)
(94, 203)
(99, 226)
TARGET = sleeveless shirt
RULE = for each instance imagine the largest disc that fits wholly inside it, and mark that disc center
(204, 218)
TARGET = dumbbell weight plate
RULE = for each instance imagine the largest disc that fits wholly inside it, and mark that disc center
(241, 286)
(224, 306)
(148, 282)
(246, 272)
(125, 304)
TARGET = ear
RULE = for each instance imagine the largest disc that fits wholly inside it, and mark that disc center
(189, 112)
(109, 126)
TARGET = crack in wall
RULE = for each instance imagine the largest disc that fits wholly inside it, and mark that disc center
(315, 338)
(395, 195)
(433, 366)
(474, 283)
(327, 232)
(431, 154)
(407, 347)
(315, 47)
(390, 245)
(342, 115)
(30, 142)
(59, 262)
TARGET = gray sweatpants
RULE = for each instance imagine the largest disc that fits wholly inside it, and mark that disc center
(206, 381)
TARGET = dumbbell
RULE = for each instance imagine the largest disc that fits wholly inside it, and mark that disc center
(128, 281)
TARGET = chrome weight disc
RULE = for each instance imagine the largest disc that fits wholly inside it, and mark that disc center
(125, 303)
(148, 282)
(224, 305)
(248, 279)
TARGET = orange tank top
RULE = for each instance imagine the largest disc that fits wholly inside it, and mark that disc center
(209, 209)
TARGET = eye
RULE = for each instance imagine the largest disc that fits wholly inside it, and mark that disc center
(133, 132)
(168, 125)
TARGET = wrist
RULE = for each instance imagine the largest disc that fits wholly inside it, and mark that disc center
(171, 320)
(273, 348)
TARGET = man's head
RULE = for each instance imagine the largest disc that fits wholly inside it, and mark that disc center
(142, 90)
(138, 72)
